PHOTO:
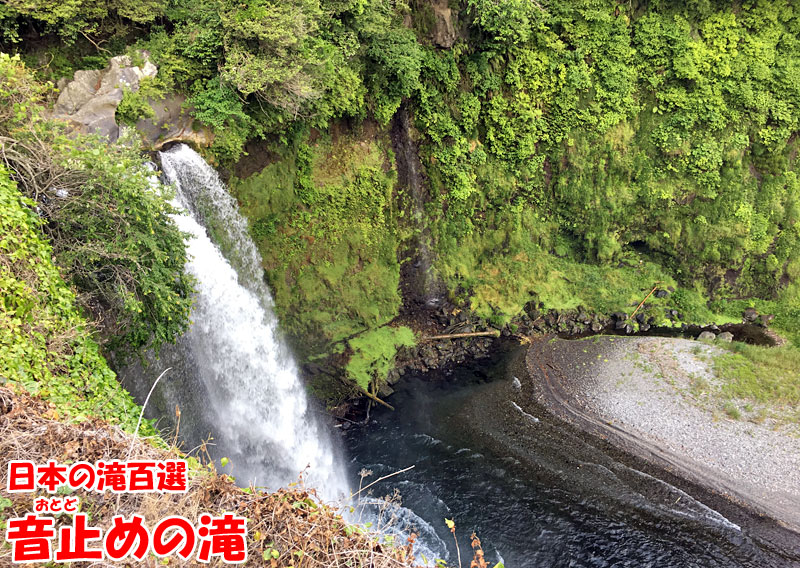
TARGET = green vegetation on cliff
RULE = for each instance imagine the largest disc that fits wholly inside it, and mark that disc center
(108, 226)
(574, 153)
(598, 135)
(89, 259)
(326, 224)
(45, 345)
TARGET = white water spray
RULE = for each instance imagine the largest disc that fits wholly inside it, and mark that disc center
(252, 394)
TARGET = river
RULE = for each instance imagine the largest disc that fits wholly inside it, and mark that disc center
(565, 503)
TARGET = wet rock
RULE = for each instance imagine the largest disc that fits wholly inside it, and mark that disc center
(766, 319)
(619, 324)
(750, 315)
(661, 294)
(597, 326)
(619, 316)
(444, 33)
(707, 335)
(640, 317)
(725, 336)
(393, 376)
(644, 327)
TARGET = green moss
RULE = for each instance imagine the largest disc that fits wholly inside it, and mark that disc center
(374, 352)
(326, 225)
(761, 374)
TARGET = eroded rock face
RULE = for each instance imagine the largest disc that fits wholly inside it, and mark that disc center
(172, 122)
(444, 32)
(90, 100)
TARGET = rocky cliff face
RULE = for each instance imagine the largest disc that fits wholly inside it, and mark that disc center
(173, 122)
(444, 32)
(89, 102)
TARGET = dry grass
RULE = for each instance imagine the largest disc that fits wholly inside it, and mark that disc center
(285, 528)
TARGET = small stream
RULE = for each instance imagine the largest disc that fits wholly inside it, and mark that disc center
(568, 504)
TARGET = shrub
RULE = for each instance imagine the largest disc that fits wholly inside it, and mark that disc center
(45, 344)
(108, 225)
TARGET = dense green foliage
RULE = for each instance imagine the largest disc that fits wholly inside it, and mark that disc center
(45, 345)
(326, 226)
(560, 147)
(576, 151)
(108, 225)
(374, 352)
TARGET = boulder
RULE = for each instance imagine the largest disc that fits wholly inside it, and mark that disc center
(750, 315)
(89, 102)
(725, 336)
(172, 122)
(708, 335)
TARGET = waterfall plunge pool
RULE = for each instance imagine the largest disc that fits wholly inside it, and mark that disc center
(566, 503)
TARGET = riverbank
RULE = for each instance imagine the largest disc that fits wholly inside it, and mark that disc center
(637, 394)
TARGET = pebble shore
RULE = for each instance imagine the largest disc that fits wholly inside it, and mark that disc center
(656, 395)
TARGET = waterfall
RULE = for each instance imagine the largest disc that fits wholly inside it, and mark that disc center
(237, 379)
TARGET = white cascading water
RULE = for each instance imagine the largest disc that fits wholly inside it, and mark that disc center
(251, 387)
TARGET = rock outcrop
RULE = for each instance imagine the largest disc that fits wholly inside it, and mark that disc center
(444, 32)
(172, 122)
(89, 102)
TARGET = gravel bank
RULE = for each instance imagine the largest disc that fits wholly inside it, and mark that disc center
(650, 395)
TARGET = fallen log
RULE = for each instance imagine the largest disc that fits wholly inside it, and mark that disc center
(376, 399)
